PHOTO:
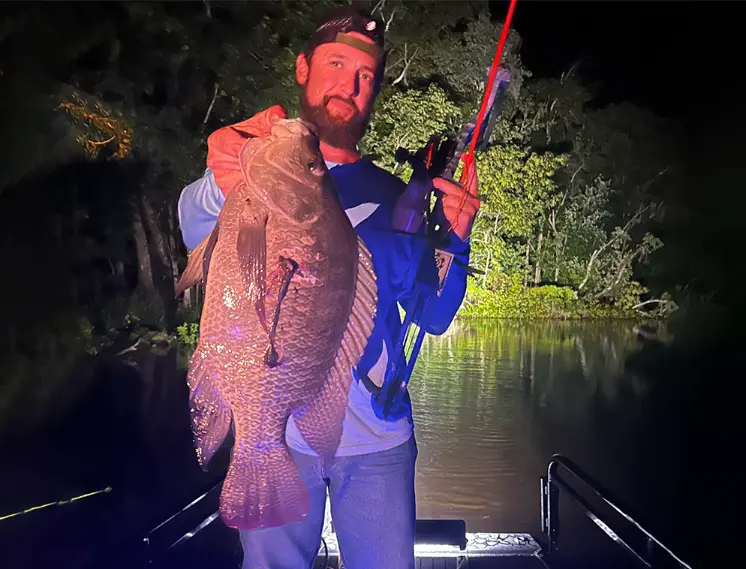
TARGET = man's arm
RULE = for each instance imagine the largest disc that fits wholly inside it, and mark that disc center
(199, 205)
(460, 204)
(442, 309)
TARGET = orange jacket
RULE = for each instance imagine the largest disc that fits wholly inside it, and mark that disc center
(224, 144)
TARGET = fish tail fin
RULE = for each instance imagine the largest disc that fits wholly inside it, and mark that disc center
(263, 489)
(320, 423)
(210, 415)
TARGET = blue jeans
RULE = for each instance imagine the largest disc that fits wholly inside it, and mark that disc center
(373, 511)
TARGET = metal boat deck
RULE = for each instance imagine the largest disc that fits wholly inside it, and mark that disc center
(195, 538)
(217, 547)
(514, 550)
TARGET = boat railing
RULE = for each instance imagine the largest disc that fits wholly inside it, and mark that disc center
(656, 554)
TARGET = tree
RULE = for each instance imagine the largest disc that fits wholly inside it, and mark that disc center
(408, 119)
(517, 191)
(111, 124)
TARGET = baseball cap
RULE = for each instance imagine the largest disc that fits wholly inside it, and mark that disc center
(339, 22)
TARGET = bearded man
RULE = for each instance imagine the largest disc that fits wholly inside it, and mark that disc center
(371, 481)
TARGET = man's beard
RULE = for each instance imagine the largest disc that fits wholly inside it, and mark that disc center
(338, 133)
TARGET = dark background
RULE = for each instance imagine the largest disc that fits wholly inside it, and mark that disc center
(680, 59)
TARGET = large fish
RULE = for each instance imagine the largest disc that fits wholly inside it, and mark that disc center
(290, 298)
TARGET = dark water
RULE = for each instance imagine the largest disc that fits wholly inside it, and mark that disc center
(658, 425)
(493, 401)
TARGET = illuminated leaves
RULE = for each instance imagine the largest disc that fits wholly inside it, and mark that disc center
(517, 187)
(101, 129)
(409, 119)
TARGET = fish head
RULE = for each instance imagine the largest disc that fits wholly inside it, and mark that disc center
(286, 171)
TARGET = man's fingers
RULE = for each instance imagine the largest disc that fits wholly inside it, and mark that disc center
(471, 203)
(454, 188)
(446, 186)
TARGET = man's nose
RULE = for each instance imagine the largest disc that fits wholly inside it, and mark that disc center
(349, 85)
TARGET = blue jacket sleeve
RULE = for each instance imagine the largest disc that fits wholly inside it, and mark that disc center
(199, 205)
(442, 309)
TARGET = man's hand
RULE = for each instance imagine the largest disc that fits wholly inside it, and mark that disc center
(224, 144)
(461, 220)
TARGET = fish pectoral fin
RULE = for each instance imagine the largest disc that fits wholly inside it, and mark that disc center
(252, 258)
(287, 269)
(320, 424)
(198, 263)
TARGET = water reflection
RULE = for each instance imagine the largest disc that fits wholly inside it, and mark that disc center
(126, 427)
(494, 399)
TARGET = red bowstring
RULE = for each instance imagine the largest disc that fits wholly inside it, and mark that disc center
(468, 158)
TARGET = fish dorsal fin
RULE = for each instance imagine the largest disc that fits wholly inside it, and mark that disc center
(321, 424)
(198, 263)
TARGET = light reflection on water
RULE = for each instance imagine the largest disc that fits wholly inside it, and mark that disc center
(494, 400)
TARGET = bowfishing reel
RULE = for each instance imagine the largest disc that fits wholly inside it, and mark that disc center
(435, 157)
(422, 201)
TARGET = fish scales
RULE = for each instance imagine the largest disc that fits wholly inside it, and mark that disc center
(282, 232)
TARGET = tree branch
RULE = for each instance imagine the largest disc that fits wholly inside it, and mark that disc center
(407, 63)
(648, 183)
(391, 19)
(212, 104)
(623, 264)
(378, 7)
(566, 75)
(592, 260)
(652, 300)
(552, 219)
(575, 173)
(625, 230)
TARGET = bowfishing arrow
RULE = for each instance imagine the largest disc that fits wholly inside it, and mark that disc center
(439, 159)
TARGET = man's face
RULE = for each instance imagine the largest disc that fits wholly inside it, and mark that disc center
(337, 92)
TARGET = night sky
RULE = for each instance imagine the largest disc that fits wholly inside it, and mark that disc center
(665, 55)
(680, 59)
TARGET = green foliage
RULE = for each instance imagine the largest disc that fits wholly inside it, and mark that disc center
(574, 219)
(509, 298)
(188, 334)
(451, 46)
(408, 119)
(517, 188)
(110, 125)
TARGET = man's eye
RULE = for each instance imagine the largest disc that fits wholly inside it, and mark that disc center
(336, 64)
(366, 77)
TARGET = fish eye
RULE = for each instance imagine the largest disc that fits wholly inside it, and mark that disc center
(315, 166)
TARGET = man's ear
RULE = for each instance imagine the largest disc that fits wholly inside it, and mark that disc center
(301, 69)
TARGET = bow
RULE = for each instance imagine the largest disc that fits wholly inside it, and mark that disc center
(439, 158)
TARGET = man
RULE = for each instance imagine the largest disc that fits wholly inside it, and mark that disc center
(371, 483)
